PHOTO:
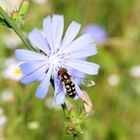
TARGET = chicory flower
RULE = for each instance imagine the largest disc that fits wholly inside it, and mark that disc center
(55, 53)
(97, 32)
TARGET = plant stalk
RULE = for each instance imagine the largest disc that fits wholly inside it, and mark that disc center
(11, 24)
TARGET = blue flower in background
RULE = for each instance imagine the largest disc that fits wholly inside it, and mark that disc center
(97, 32)
(54, 53)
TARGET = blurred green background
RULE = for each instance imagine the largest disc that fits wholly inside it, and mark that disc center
(116, 95)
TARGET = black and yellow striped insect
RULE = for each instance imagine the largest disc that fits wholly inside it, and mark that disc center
(65, 78)
(67, 81)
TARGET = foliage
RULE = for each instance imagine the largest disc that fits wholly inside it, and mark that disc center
(117, 105)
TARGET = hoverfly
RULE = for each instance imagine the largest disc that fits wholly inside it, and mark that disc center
(67, 81)
(65, 78)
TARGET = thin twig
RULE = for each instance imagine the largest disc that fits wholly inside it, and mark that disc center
(65, 109)
(11, 24)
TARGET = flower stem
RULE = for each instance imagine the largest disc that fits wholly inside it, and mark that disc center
(11, 24)
(75, 137)
(65, 109)
(7, 20)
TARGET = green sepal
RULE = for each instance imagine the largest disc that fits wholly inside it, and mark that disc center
(73, 124)
(19, 15)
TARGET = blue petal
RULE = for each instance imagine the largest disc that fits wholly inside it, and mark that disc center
(57, 28)
(71, 33)
(44, 86)
(78, 91)
(31, 66)
(83, 66)
(59, 98)
(84, 52)
(26, 55)
(47, 31)
(79, 43)
(59, 94)
(37, 40)
(33, 76)
(42, 77)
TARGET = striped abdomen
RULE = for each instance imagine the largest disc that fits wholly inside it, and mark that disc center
(70, 88)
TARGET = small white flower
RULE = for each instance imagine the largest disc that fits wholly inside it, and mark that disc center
(113, 80)
(10, 5)
(3, 120)
(135, 71)
(33, 125)
(7, 96)
(11, 40)
(12, 70)
(3, 4)
(40, 1)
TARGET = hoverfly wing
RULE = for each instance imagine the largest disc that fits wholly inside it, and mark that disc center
(84, 82)
(87, 83)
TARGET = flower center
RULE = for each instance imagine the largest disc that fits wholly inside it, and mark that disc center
(18, 71)
(56, 60)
